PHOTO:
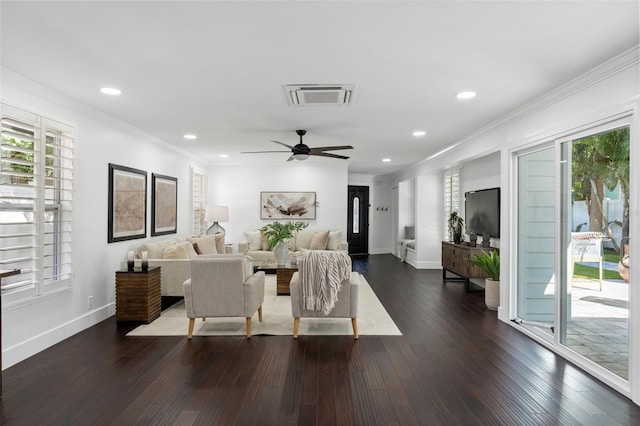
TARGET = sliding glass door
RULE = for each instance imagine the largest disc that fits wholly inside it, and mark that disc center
(572, 243)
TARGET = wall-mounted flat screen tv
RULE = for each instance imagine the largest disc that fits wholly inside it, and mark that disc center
(482, 212)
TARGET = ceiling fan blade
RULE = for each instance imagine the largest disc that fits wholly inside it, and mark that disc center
(291, 158)
(330, 148)
(283, 144)
(326, 154)
(259, 152)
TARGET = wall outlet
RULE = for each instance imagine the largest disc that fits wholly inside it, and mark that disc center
(90, 302)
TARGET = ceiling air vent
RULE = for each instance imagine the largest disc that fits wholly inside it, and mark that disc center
(319, 94)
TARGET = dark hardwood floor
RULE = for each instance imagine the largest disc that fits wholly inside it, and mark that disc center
(455, 364)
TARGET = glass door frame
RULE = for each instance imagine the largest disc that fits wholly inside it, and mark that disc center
(625, 116)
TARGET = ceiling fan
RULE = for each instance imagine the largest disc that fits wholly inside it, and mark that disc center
(301, 151)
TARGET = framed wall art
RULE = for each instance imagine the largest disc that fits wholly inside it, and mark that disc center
(164, 205)
(287, 205)
(127, 218)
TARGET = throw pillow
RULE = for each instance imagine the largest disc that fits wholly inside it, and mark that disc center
(265, 244)
(319, 241)
(206, 244)
(303, 239)
(254, 240)
(191, 252)
(334, 238)
(175, 251)
(197, 248)
(219, 238)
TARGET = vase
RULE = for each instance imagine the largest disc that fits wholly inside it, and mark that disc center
(491, 294)
(281, 252)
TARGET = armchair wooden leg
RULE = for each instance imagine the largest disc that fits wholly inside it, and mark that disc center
(192, 322)
(354, 324)
(204, 318)
(249, 328)
(296, 324)
(260, 313)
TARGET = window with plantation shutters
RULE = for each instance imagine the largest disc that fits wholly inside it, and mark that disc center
(36, 195)
(451, 203)
(199, 181)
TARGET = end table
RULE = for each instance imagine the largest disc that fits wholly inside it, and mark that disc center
(138, 295)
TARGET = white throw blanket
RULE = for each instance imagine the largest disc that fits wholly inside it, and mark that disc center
(321, 275)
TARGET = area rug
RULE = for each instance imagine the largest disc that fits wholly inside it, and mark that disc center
(373, 319)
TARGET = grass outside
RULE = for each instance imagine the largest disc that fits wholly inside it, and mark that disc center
(583, 271)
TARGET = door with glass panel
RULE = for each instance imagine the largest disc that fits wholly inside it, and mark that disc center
(572, 244)
(358, 219)
(595, 189)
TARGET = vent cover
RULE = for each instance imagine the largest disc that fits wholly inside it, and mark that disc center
(319, 94)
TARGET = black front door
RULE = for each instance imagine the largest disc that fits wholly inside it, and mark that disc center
(358, 219)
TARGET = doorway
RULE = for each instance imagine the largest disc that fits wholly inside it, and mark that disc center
(358, 219)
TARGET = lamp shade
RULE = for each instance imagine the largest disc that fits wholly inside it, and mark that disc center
(217, 214)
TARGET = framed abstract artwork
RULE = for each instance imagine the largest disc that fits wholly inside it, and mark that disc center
(287, 205)
(127, 218)
(164, 205)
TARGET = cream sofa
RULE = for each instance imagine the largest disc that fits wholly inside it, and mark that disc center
(307, 239)
(173, 255)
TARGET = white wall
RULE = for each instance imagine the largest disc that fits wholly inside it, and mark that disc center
(101, 140)
(240, 187)
(406, 206)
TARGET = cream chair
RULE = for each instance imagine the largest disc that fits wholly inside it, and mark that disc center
(346, 303)
(223, 286)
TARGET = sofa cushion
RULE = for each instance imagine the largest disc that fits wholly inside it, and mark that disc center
(303, 239)
(191, 252)
(155, 249)
(334, 238)
(265, 243)
(176, 251)
(220, 243)
(206, 244)
(319, 241)
(254, 240)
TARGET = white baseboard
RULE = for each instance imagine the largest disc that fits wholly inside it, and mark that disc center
(381, 251)
(421, 264)
(23, 350)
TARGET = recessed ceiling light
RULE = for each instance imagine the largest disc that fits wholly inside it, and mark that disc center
(386, 160)
(111, 91)
(224, 155)
(466, 95)
(418, 133)
(190, 136)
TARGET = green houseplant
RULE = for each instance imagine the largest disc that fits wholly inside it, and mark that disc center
(277, 234)
(489, 262)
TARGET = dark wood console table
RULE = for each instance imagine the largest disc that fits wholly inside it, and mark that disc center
(454, 260)
(4, 273)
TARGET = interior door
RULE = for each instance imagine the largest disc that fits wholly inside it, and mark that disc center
(358, 219)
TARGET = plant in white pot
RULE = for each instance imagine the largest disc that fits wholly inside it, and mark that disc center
(277, 234)
(489, 262)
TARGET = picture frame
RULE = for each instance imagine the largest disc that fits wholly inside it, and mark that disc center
(127, 217)
(164, 205)
(288, 205)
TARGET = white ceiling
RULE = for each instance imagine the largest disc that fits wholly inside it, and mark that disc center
(217, 69)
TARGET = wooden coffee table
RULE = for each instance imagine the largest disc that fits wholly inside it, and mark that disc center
(283, 274)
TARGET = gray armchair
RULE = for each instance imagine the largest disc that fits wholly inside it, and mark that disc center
(223, 286)
(346, 305)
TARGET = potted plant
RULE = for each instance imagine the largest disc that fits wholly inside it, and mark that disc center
(489, 262)
(456, 223)
(277, 234)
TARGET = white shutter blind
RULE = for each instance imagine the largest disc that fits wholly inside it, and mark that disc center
(451, 198)
(199, 183)
(36, 193)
